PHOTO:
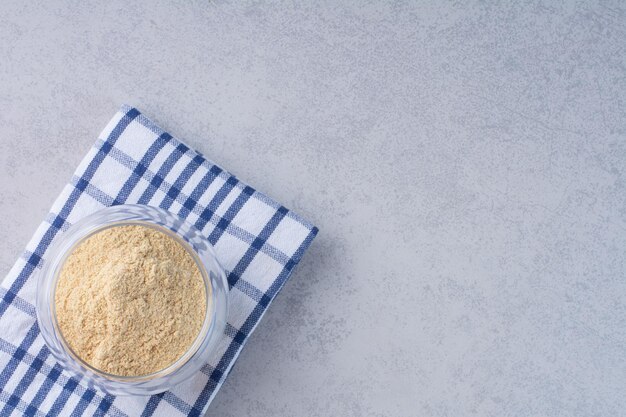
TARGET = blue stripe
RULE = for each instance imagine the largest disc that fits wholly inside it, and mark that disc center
(176, 402)
(152, 404)
(140, 168)
(48, 383)
(27, 255)
(293, 216)
(27, 378)
(256, 246)
(230, 214)
(93, 191)
(20, 303)
(84, 401)
(105, 404)
(211, 384)
(165, 169)
(248, 289)
(218, 198)
(203, 185)
(272, 291)
(61, 400)
(19, 354)
(31, 411)
(15, 402)
(11, 293)
(180, 182)
(57, 221)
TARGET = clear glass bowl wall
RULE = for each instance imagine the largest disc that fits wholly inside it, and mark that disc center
(215, 284)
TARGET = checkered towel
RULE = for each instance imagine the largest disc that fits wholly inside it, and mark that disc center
(258, 242)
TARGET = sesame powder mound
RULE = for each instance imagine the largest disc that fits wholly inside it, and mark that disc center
(130, 300)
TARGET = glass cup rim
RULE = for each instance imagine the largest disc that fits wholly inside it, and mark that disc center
(209, 300)
(213, 275)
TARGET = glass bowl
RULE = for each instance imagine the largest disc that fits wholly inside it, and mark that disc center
(216, 289)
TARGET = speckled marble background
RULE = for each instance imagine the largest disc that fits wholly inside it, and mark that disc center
(465, 163)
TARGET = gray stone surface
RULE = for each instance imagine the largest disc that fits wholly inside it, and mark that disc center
(465, 164)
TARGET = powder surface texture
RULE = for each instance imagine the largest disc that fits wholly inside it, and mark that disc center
(130, 300)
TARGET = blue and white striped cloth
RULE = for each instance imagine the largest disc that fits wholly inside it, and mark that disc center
(258, 241)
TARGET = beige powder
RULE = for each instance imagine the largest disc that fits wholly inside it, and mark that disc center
(130, 300)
